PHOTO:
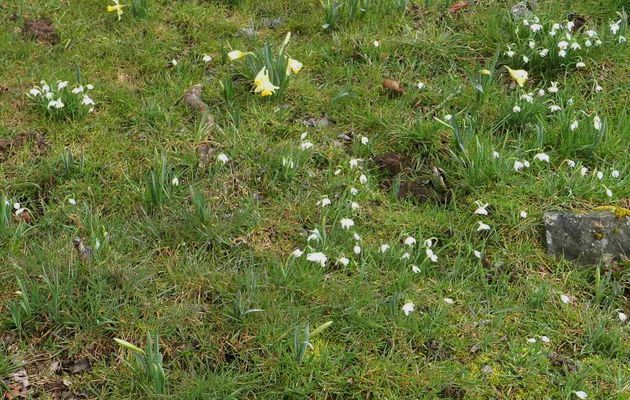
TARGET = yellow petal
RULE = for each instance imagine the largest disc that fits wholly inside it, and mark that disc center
(520, 76)
(485, 72)
(236, 54)
(294, 66)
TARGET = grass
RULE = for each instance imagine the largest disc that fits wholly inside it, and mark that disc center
(200, 274)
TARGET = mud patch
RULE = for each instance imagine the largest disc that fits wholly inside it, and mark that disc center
(10, 145)
(41, 30)
(452, 391)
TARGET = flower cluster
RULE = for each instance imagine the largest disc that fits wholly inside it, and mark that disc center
(59, 101)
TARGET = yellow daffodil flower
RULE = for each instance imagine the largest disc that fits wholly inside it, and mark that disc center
(294, 66)
(264, 86)
(237, 54)
(117, 8)
(485, 72)
(520, 75)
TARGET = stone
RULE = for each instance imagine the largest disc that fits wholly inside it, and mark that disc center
(248, 32)
(587, 238)
(523, 9)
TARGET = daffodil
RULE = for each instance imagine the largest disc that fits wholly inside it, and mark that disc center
(237, 54)
(117, 8)
(264, 86)
(294, 66)
(520, 76)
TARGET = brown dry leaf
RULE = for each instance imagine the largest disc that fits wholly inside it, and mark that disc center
(460, 5)
(393, 86)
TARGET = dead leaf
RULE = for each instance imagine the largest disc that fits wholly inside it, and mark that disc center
(460, 5)
(393, 86)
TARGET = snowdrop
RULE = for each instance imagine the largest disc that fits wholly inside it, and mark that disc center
(306, 145)
(357, 249)
(580, 64)
(477, 254)
(405, 256)
(354, 191)
(62, 85)
(314, 235)
(581, 394)
(614, 27)
(223, 158)
(553, 88)
(175, 181)
(415, 269)
(575, 46)
(72, 201)
(543, 52)
(528, 98)
(583, 171)
(174, 62)
(408, 308)
(448, 300)
(481, 208)
(364, 140)
(297, 253)
(354, 162)
(516, 109)
(574, 125)
(600, 175)
(597, 123)
(343, 261)
(598, 88)
(384, 247)
(531, 340)
(58, 104)
(482, 227)
(409, 241)
(430, 255)
(356, 236)
(319, 258)
(495, 154)
(565, 299)
(622, 317)
(363, 179)
(324, 202)
(609, 192)
(519, 165)
(614, 174)
(420, 85)
(523, 214)
(541, 92)
(346, 223)
(554, 108)
(563, 45)
(544, 157)
(535, 27)
(206, 58)
(376, 43)
(354, 206)
(545, 339)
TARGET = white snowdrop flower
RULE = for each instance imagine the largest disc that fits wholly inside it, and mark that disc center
(523, 214)
(72, 201)
(34, 92)
(314, 235)
(518, 165)
(357, 249)
(543, 52)
(554, 108)
(430, 255)
(614, 27)
(45, 87)
(588, 43)
(306, 145)
(448, 300)
(609, 192)
(580, 64)
(354, 205)
(354, 162)
(545, 339)
(428, 243)
(343, 261)
(354, 191)
(581, 394)
(525, 59)
(223, 158)
(97, 244)
(448, 117)
(206, 58)
(408, 308)
(346, 223)
(591, 33)
(562, 53)
(175, 181)
(481, 209)
(622, 39)
(364, 140)
(495, 154)
(516, 109)
(288, 163)
(614, 174)
(297, 253)
(528, 97)
(49, 95)
(384, 247)
(565, 299)
(526, 22)
(598, 42)
(337, 172)
(583, 171)
(597, 123)
(553, 88)
(415, 269)
(482, 227)
(409, 241)
(542, 157)
(363, 179)
(575, 46)
(174, 62)
(62, 85)
(405, 256)
(17, 206)
(622, 317)
(600, 175)
(570, 101)
(319, 258)
(535, 27)
(89, 86)
(510, 53)
(78, 89)
(477, 254)
(553, 32)
(526, 163)
(420, 85)
(598, 88)
(570, 25)
(56, 103)
(541, 92)
(555, 26)
(574, 125)
(324, 202)
(531, 340)
(356, 236)
(376, 43)
(87, 101)
(303, 135)
(563, 44)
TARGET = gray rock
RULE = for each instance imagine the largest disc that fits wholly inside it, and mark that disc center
(523, 9)
(272, 23)
(248, 32)
(587, 238)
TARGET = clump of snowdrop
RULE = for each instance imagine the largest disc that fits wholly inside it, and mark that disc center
(58, 101)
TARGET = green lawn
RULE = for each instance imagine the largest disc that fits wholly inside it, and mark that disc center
(396, 290)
